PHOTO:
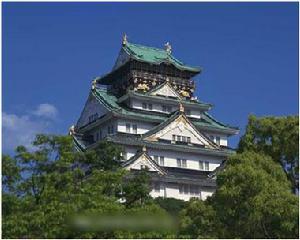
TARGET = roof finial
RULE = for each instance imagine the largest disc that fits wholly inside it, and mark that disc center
(168, 48)
(72, 130)
(144, 149)
(181, 107)
(124, 40)
(94, 83)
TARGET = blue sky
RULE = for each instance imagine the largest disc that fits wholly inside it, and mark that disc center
(52, 51)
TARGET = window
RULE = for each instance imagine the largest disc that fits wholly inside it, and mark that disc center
(186, 189)
(184, 139)
(188, 112)
(178, 162)
(161, 161)
(147, 106)
(188, 139)
(201, 165)
(155, 158)
(211, 137)
(178, 138)
(218, 139)
(166, 108)
(180, 189)
(206, 166)
(128, 127)
(157, 187)
(143, 166)
(181, 163)
(97, 136)
(174, 138)
(134, 128)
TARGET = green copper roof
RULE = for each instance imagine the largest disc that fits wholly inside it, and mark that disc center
(110, 102)
(155, 56)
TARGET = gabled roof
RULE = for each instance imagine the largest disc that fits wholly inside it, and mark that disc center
(155, 56)
(143, 157)
(111, 103)
(163, 89)
(178, 119)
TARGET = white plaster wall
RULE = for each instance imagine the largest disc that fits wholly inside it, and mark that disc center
(223, 138)
(170, 159)
(195, 113)
(171, 190)
(104, 128)
(182, 130)
(157, 107)
(91, 107)
(141, 127)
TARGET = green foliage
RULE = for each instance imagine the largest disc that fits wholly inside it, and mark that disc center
(171, 205)
(252, 201)
(51, 189)
(277, 137)
(198, 220)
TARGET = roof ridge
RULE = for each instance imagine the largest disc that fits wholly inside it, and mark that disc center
(144, 46)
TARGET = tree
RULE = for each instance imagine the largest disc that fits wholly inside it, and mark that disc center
(253, 199)
(198, 220)
(53, 190)
(277, 137)
(171, 205)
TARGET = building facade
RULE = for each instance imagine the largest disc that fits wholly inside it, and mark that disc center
(147, 105)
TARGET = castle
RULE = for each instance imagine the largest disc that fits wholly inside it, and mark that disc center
(147, 105)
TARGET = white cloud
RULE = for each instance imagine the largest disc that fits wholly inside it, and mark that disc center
(46, 110)
(22, 129)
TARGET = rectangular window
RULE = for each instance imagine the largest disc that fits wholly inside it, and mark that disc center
(211, 137)
(157, 187)
(201, 165)
(134, 128)
(207, 166)
(174, 138)
(155, 158)
(180, 186)
(188, 112)
(183, 163)
(128, 127)
(178, 162)
(162, 161)
(178, 138)
(144, 105)
(150, 106)
(218, 140)
(184, 139)
(188, 139)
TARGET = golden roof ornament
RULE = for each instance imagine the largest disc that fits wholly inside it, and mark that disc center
(181, 107)
(72, 130)
(168, 48)
(124, 40)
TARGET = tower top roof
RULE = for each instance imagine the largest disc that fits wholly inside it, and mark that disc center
(155, 55)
